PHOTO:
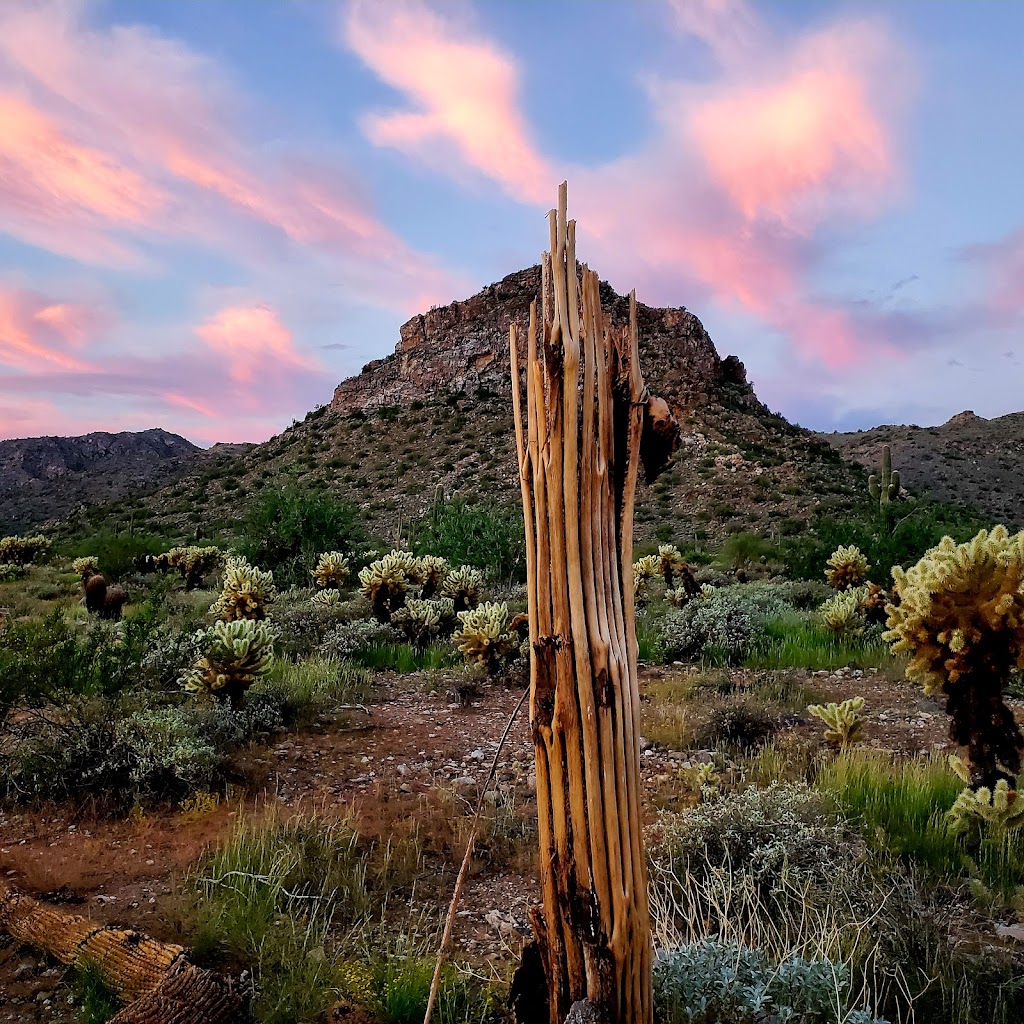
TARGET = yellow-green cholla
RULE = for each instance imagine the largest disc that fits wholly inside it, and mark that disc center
(847, 567)
(331, 570)
(237, 654)
(463, 585)
(484, 637)
(246, 593)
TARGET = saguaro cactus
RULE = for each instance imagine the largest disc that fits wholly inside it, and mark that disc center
(885, 488)
(579, 452)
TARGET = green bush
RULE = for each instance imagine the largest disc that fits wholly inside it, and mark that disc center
(289, 527)
(117, 552)
(482, 535)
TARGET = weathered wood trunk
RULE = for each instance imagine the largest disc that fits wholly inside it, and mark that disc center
(579, 452)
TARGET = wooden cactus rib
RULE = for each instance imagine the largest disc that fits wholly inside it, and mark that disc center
(578, 454)
(154, 978)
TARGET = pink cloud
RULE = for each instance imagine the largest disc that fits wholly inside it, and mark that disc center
(1002, 263)
(464, 90)
(253, 340)
(36, 332)
(139, 136)
(725, 198)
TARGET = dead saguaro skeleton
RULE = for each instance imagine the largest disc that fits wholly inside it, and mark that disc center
(588, 415)
(155, 979)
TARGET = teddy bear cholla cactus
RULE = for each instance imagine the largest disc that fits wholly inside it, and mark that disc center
(192, 563)
(847, 567)
(237, 654)
(463, 586)
(86, 566)
(331, 571)
(843, 722)
(843, 614)
(433, 570)
(247, 592)
(386, 582)
(961, 621)
(326, 598)
(644, 570)
(22, 551)
(423, 620)
(484, 636)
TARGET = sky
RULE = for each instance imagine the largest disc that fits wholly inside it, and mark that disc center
(213, 212)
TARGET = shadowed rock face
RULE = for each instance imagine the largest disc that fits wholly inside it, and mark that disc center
(463, 347)
(43, 478)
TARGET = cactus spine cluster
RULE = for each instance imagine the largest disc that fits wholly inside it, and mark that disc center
(961, 620)
(247, 592)
(237, 654)
(485, 638)
(192, 563)
(885, 488)
(843, 722)
(22, 551)
(847, 567)
(331, 571)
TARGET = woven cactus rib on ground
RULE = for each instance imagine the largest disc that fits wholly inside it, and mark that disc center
(847, 567)
(331, 570)
(154, 978)
(843, 722)
(961, 621)
(247, 592)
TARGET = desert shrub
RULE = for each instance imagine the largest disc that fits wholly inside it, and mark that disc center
(466, 534)
(714, 982)
(718, 630)
(9, 572)
(288, 527)
(735, 723)
(41, 659)
(303, 691)
(741, 549)
(351, 639)
(119, 553)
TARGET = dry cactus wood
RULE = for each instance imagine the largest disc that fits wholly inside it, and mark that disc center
(579, 454)
(154, 978)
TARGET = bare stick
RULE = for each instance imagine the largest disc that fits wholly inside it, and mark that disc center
(449, 921)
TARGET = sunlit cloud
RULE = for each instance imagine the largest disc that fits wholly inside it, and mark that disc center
(36, 332)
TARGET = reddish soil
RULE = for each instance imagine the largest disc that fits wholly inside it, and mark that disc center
(385, 769)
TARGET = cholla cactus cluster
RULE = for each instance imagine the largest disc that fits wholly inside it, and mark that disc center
(22, 551)
(463, 586)
(847, 567)
(86, 566)
(246, 593)
(644, 570)
(331, 571)
(433, 571)
(843, 722)
(999, 809)
(873, 603)
(326, 598)
(192, 563)
(485, 638)
(423, 620)
(961, 621)
(10, 572)
(386, 582)
(843, 615)
(237, 654)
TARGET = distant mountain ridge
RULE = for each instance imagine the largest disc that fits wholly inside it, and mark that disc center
(436, 417)
(43, 478)
(968, 460)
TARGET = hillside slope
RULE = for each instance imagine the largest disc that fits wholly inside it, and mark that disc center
(43, 478)
(968, 460)
(437, 414)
